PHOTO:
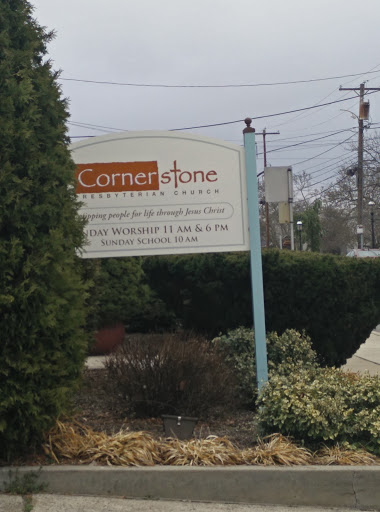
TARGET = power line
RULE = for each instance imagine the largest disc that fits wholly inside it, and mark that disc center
(324, 152)
(262, 117)
(226, 122)
(312, 134)
(328, 188)
(318, 165)
(212, 86)
(305, 142)
(346, 162)
(301, 116)
(93, 126)
(322, 181)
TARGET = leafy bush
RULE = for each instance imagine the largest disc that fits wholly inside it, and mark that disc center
(286, 354)
(335, 300)
(209, 293)
(120, 293)
(238, 350)
(169, 374)
(290, 352)
(323, 404)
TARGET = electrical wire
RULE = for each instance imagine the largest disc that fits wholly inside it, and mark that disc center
(303, 116)
(327, 189)
(264, 116)
(305, 142)
(213, 86)
(231, 122)
(93, 126)
(346, 162)
(324, 152)
(308, 135)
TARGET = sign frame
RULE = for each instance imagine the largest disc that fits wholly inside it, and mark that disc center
(218, 202)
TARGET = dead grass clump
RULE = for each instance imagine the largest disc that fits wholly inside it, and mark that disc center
(200, 452)
(342, 456)
(78, 443)
(81, 445)
(276, 450)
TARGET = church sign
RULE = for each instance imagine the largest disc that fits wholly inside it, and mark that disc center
(147, 193)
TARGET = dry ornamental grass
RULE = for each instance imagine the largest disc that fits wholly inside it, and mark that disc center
(81, 445)
(277, 450)
(200, 452)
(75, 442)
(342, 456)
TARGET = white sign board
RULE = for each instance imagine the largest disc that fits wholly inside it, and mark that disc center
(276, 181)
(147, 193)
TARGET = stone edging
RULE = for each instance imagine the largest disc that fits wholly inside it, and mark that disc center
(324, 486)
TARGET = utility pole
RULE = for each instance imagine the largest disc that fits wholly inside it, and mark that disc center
(264, 134)
(363, 115)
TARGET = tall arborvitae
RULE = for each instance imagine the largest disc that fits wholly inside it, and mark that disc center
(42, 295)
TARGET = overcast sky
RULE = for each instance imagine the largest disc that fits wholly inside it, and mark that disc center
(220, 42)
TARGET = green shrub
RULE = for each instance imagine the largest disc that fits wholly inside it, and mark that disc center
(290, 352)
(169, 374)
(334, 299)
(208, 293)
(323, 404)
(120, 293)
(42, 293)
(286, 354)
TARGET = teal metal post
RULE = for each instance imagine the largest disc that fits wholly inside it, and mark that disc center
(256, 261)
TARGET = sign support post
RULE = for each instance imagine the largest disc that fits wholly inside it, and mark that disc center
(255, 256)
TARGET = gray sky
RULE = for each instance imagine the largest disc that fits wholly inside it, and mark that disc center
(218, 42)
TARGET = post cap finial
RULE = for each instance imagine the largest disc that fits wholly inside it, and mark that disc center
(248, 129)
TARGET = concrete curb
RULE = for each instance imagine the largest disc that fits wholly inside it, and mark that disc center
(319, 486)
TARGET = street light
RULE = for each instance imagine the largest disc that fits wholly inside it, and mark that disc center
(372, 204)
(299, 229)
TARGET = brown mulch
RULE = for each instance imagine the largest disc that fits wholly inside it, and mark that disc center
(93, 408)
(99, 432)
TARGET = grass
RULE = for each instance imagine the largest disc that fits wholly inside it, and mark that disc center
(81, 445)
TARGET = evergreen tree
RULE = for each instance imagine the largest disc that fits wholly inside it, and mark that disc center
(311, 226)
(42, 344)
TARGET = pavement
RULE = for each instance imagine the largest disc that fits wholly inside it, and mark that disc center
(61, 503)
(367, 358)
(81, 487)
(205, 489)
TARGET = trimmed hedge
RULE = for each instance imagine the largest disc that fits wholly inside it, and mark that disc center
(209, 293)
(334, 299)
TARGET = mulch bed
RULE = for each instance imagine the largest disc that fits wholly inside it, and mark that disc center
(99, 432)
(94, 408)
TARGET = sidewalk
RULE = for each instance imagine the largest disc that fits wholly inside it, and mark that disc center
(355, 487)
(367, 358)
(95, 362)
(60, 503)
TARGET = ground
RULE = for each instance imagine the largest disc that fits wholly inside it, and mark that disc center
(94, 408)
